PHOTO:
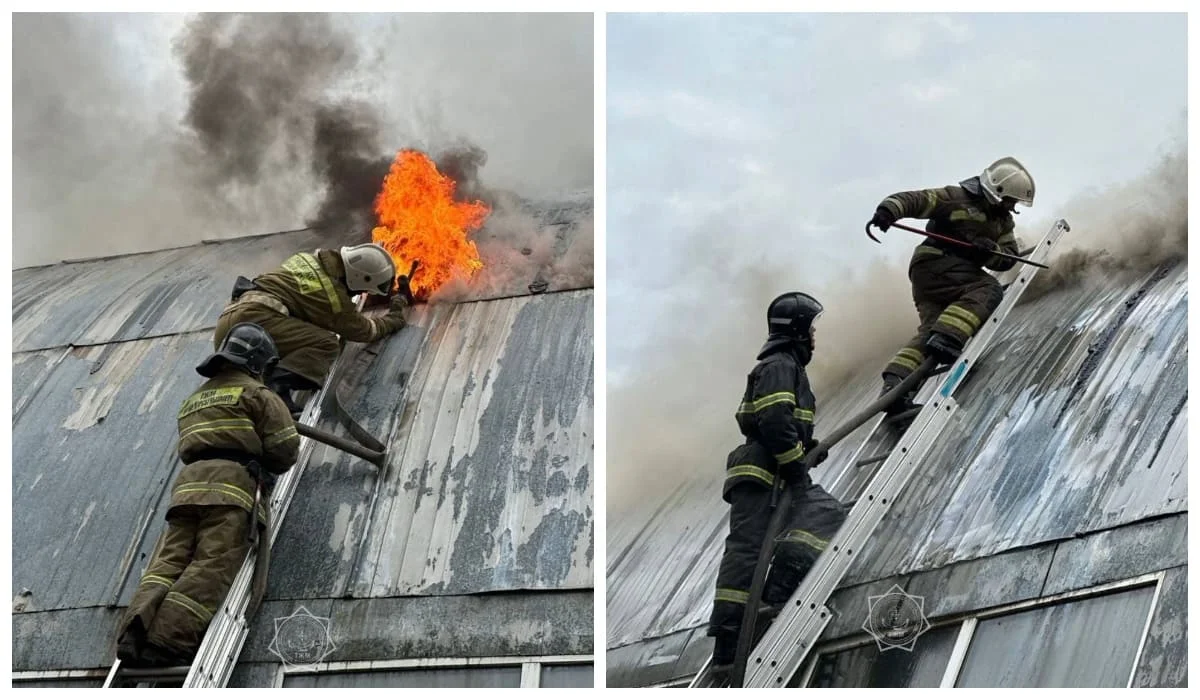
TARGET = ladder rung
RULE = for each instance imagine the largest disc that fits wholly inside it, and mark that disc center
(871, 460)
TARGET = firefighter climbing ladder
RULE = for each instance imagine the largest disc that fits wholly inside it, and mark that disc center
(794, 632)
(227, 632)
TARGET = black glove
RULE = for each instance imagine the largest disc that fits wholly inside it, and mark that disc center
(987, 245)
(403, 290)
(811, 447)
(397, 305)
(793, 472)
(883, 218)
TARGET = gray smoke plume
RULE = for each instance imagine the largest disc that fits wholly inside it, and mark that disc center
(672, 417)
(1130, 228)
(139, 132)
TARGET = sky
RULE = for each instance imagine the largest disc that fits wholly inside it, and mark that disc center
(746, 152)
(105, 161)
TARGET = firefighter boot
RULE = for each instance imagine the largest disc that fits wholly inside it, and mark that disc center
(724, 649)
(943, 347)
(904, 402)
(131, 643)
(284, 383)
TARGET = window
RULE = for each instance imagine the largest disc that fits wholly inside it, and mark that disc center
(1087, 638)
(1085, 643)
(868, 667)
(472, 677)
(567, 676)
(490, 672)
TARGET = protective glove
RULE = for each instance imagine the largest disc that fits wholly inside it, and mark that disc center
(398, 304)
(987, 245)
(812, 447)
(794, 473)
(403, 290)
(883, 218)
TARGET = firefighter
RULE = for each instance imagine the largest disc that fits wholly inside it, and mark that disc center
(776, 417)
(305, 305)
(234, 435)
(952, 292)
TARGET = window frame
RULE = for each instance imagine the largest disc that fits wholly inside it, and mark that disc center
(531, 666)
(968, 622)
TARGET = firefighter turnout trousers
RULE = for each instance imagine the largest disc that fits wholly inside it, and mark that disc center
(305, 350)
(953, 297)
(813, 518)
(193, 566)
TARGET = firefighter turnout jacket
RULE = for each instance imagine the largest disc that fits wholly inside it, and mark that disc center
(775, 415)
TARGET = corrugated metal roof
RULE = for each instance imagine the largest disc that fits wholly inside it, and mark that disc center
(496, 429)
(489, 481)
(138, 296)
(1075, 421)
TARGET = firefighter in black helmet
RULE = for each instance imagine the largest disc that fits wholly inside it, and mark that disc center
(776, 417)
(232, 427)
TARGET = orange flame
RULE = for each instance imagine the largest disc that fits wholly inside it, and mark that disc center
(419, 220)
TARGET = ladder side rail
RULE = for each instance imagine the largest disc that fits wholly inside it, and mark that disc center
(785, 645)
(894, 477)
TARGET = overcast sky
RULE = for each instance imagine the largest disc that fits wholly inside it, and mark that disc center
(736, 137)
(101, 159)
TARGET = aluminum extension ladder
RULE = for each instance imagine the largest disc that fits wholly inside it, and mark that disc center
(227, 632)
(795, 631)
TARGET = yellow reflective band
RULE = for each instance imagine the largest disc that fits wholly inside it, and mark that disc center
(955, 323)
(226, 396)
(311, 278)
(905, 362)
(231, 427)
(896, 203)
(221, 423)
(967, 215)
(930, 204)
(230, 490)
(158, 580)
(803, 414)
(751, 471)
(806, 538)
(732, 595)
(963, 315)
(1006, 239)
(772, 399)
(793, 454)
(929, 250)
(202, 613)
(276, 438)
(759, 404)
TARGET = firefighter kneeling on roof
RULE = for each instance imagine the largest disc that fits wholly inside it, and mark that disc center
(305, 305)
(235, 436)
(776, 416)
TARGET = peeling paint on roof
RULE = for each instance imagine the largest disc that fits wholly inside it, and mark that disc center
(486, 408)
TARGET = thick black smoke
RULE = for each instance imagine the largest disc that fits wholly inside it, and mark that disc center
(261, 100)
(142, 132)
